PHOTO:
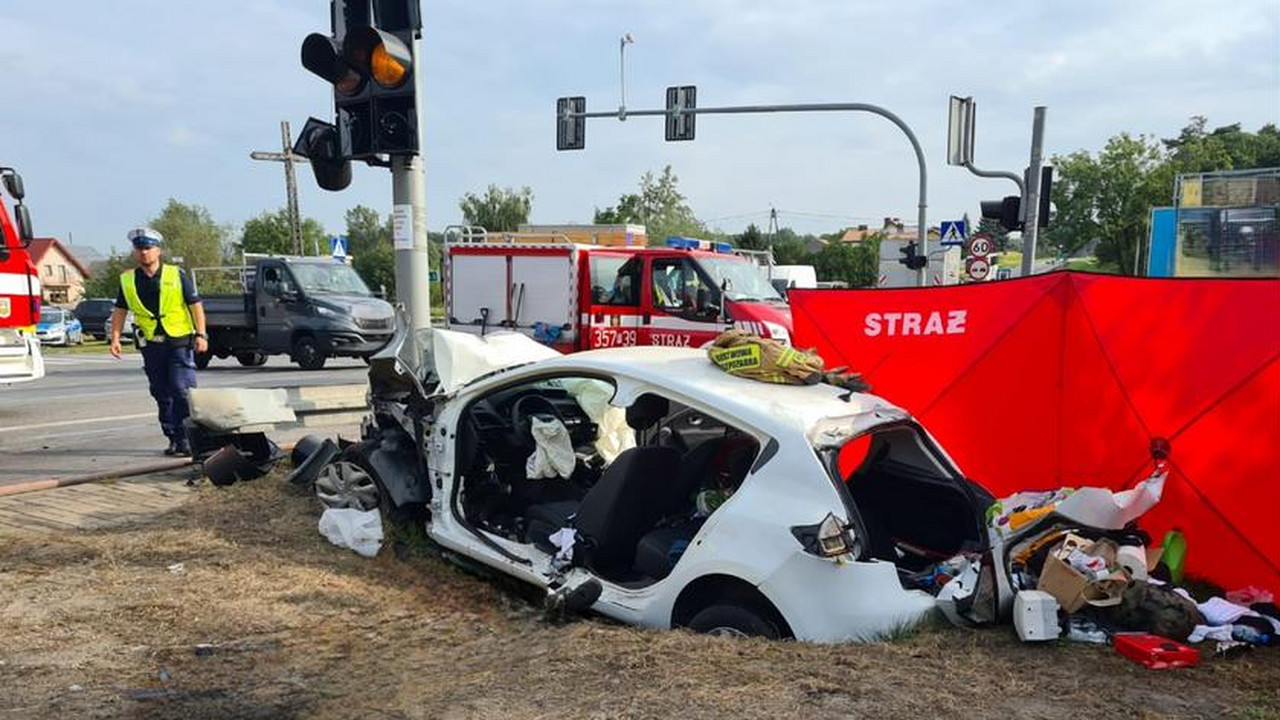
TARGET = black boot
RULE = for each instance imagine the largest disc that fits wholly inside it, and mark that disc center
(172, 449)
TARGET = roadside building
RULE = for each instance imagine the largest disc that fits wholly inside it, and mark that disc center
(62, 274)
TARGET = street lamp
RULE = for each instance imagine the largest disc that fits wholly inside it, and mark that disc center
(623, 42)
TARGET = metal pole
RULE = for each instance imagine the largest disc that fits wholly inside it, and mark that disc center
(1031, 198)
(922, 205)
(409, 224)
(291, 187)
(622, 74)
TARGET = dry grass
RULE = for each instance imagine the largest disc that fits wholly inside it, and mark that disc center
(235, 607)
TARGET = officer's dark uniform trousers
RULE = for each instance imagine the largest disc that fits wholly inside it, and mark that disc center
(171, 373)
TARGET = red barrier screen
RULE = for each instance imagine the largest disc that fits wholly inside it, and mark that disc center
(1064, 379)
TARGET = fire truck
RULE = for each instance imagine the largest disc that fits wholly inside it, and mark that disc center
(575, 296)
(20, 358)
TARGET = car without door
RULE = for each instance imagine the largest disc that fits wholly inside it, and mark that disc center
(651, 487)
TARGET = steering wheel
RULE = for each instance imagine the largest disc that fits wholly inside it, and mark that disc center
(522, 415)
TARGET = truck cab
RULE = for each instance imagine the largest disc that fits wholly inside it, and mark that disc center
(575, 296)
(309, 308)
(20, 357)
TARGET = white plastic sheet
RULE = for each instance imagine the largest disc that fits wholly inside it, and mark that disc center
(553, 454)
(1100, 508)
(228, 409)
(460, 357)
(358, 530)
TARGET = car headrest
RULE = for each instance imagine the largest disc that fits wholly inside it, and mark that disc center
(647, 410)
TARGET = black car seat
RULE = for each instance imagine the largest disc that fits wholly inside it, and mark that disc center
(544, 519)
(627, 502)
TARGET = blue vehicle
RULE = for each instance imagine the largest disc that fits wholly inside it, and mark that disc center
(59, 327)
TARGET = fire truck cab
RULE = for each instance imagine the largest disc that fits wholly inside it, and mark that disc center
(576, 296)
(20, 358)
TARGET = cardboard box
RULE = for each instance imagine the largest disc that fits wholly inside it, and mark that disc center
(1072, 589)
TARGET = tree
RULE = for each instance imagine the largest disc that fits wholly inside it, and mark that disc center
(193, 240)
(659, 206)
(752, 239)
(270, 233)
(1108, 198)
(499, 209)
(855, 263)
(191, 234)
(999, 236)
(372, 253)
(105, 280)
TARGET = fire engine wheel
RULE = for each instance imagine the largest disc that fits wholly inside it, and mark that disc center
(202, 360)
(307, 353)
(251, 359)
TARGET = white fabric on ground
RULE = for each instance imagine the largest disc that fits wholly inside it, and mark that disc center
(358, 530)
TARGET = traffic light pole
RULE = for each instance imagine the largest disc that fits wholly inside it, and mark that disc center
(409, 231)
(409, 223)
(1031, 208)
(922, 205)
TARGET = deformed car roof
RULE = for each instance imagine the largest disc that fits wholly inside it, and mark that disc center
(689, 372)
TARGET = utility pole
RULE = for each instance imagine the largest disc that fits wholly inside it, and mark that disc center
(773, 226)
(1031, 208)
(288, 157)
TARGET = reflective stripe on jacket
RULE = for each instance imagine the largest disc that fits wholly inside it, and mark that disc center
(174, 314)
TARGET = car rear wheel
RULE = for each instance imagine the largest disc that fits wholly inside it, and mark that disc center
(734, 621)
(307, 353)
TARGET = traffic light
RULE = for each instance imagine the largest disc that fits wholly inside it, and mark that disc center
(369, 61)
(911, 257)
(571, 127)
(681, 123)
(319, 142)
(1006, 211)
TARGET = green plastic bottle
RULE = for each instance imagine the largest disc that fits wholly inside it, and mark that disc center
(1175, 554)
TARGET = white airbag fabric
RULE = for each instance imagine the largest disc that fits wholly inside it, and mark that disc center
(553, 454)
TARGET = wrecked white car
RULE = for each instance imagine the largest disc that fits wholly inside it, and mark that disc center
(651, 487)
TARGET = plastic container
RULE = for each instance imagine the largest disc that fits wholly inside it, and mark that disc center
(1155, 652)
(1175, 554)
(1035, 616)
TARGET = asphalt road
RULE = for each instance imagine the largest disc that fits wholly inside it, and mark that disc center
(92, 413)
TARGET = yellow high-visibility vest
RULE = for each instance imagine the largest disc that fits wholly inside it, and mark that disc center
(174, 312)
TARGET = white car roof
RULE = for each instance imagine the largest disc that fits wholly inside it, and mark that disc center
(689, 372)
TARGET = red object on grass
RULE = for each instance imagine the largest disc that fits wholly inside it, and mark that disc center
(1065, 379)
(1155, 652)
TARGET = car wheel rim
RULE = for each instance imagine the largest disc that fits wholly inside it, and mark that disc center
(346, 485)
(724, 631)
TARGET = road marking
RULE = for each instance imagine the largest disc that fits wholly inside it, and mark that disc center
(64, 423)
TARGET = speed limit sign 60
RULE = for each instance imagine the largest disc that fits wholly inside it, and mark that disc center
(978, 268)
(980, 245)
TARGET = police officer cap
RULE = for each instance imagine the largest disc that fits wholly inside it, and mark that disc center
(145, 236)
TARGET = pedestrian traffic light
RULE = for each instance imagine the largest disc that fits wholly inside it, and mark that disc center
(1007, 212)
(370, 62)
(911, 257)
(320, 144)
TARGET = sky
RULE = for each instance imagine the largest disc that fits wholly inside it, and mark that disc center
(110, 109)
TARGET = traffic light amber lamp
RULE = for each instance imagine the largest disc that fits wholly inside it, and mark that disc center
(380, 55)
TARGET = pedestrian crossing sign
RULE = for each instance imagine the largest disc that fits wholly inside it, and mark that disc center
(953, 232)
(338, 247)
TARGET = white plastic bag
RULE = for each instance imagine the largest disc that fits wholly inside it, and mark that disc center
(553, 454)
(358, 530)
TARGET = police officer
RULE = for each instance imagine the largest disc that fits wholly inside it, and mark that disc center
(170, 319)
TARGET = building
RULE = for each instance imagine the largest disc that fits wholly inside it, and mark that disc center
(62, 275)
(891, 229)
